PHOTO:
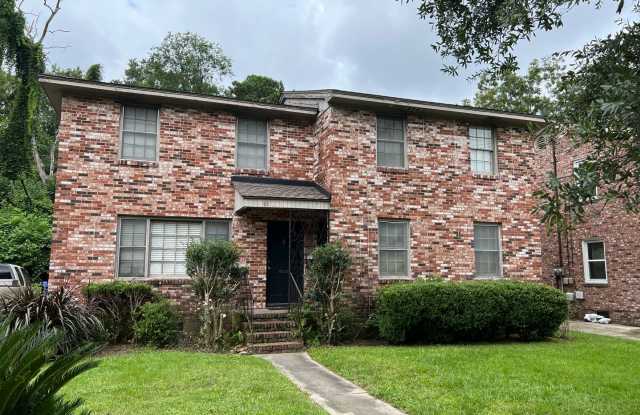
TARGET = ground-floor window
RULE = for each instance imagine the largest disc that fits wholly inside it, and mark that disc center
(595, 262)
(157, 247)
(393, 248)
(488, 251)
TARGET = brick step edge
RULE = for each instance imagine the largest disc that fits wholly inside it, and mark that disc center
(271, 325)
(259, 348)
(271, 336)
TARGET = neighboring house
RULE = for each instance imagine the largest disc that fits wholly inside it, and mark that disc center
(412, 188)
(601, 256)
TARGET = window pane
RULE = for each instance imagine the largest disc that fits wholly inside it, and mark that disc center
(482, 147)
(5, 272)
(597, 270)
(217, 230)
(394, 248)
(393, 263)
(252, 144)
(139, 133)
(390, 142)
(133, 240)
(393, 235)
(596, 250)
(486, 241)
(169, 241)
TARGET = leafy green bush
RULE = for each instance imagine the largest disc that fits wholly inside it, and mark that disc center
(25, 240)
(118, 302)
(31, 376)
(324, 296)
(59, 310)
(472, 310)
(156, 324)
(216, 273)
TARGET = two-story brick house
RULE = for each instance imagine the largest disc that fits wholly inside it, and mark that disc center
(412, 188)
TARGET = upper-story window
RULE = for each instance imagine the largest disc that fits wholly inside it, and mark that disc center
(252, 144)
(139, 133)
(391, 142)
(482, 143)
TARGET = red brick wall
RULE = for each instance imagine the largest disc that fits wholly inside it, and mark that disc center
(437, 192)
(619, 230)
(192, 179)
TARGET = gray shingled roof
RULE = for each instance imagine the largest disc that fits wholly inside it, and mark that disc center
(267, 188)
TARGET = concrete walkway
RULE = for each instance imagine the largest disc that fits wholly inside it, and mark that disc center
(613, 330)
(334, 394)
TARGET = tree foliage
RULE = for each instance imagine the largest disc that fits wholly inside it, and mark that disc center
(532, 93)
(25, 239)
(183, 62)
(257, 88)
(596, 98)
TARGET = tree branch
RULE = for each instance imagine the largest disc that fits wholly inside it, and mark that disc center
(54, 11)
(52, 155)
(38, 160)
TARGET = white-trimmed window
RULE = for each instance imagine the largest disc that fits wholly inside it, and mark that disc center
(595, 262)
(576, 166)
(139, 133)
(157, 247)
(252, 144)
(482, 145)
(488, 250)
(393, 248)
(391, 141)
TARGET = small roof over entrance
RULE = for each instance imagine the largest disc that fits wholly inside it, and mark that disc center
(269, 193)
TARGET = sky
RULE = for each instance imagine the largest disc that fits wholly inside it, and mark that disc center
(374, 46)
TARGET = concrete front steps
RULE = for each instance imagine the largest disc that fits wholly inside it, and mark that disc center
(273, 332)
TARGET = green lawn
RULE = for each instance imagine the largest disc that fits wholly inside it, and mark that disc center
(587, 374)
(169, 382)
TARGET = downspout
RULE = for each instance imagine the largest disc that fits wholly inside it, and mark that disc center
(556, 196)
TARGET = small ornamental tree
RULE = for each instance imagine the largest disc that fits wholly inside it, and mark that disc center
(216, 273)
(325, 279)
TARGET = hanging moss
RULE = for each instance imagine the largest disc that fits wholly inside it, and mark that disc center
(25, 57)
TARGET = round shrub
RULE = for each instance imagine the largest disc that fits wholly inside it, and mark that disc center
(467, 311)
(156, 324)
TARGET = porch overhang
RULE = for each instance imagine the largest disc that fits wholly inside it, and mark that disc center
(253, 193)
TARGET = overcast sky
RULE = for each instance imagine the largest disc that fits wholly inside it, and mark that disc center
(375, 46)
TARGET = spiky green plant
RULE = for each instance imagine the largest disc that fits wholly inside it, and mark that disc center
(30, 374)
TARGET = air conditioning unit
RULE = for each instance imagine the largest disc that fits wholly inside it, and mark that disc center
(571, 296)
(579, 295)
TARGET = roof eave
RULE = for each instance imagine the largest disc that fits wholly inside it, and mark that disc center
(480, 115)
(57, 87)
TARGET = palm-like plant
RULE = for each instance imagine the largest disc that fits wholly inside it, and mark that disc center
(30, 377)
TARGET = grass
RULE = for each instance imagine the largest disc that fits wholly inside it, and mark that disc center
(587, 374)
(171, 382)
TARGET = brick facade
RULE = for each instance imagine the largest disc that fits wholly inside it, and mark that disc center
(618, 229)
(437, 192)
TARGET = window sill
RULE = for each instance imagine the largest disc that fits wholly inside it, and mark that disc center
(596, 283)
(485, 176)
(138, 163)
(399, 278)
(159, 279)
(488, 278)
(393, 170)
(251, 172)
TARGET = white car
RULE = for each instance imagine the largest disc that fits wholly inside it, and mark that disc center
(13, 277)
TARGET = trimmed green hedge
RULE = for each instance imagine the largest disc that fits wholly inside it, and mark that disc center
(467, 311)
(156, 324)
